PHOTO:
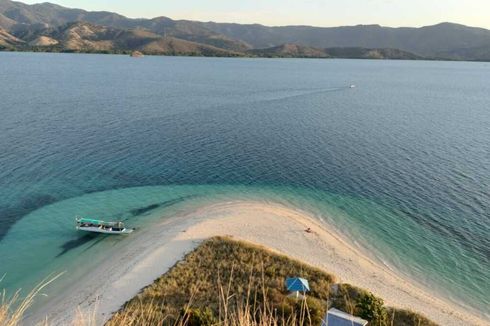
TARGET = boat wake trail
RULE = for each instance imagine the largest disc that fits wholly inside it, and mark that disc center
(294, 93)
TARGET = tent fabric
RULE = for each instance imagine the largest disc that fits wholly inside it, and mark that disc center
(297, 284)
(336, 317)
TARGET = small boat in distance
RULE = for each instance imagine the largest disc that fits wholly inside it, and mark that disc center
(97, 226)
(352, 86)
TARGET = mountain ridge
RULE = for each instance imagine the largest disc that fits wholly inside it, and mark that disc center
(446, 41)
(91, 38)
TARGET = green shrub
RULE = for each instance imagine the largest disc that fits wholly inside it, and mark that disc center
(199, 317)
(372, 309)
(403, 317)
(316, 309)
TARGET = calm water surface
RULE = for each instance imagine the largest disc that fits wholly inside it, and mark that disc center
(401, 163)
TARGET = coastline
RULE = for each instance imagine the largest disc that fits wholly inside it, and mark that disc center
(126, 53)
(152, 251)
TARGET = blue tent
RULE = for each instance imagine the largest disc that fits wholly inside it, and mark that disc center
(294, 284)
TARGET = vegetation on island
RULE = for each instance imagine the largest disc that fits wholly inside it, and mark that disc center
(228, 282)
(232, 283)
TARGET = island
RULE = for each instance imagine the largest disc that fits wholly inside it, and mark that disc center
(236, 255)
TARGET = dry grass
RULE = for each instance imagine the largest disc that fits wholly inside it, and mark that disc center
(12, 309)
(249, 312)
(228, 283)
(252, 277)
(402, 317)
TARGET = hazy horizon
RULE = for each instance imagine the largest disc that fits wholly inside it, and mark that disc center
(389, 13)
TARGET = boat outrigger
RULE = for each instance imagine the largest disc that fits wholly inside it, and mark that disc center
(90, 225)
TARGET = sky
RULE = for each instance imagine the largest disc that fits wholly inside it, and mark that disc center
(395, 13)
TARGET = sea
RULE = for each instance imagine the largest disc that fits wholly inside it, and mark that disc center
(400, 163)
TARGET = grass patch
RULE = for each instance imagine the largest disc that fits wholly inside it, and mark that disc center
(229, 282)
(403, 317)
(13, 308)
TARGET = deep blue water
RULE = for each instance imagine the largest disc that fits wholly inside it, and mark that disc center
(401, 162)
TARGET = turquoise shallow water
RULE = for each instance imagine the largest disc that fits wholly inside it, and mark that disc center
(401, 163)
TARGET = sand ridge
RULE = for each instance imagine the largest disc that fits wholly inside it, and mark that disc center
(153, 251)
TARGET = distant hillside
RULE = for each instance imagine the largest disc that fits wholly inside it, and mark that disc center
(87, 37)
(297, 51)
(481, 53)
(431, 41)
(289, 51)
(442, 41)
(22, 17)
(6, 22)
(365, 53)
(49, 15)
(192, 31)
(8, 41)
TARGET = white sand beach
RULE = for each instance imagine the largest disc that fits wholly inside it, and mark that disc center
(150, 253)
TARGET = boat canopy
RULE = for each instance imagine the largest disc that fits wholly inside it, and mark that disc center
(98, 222)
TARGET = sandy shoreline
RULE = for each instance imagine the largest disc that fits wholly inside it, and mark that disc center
(150, 253)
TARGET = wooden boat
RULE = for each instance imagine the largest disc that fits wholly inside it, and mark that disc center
(97, 226)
